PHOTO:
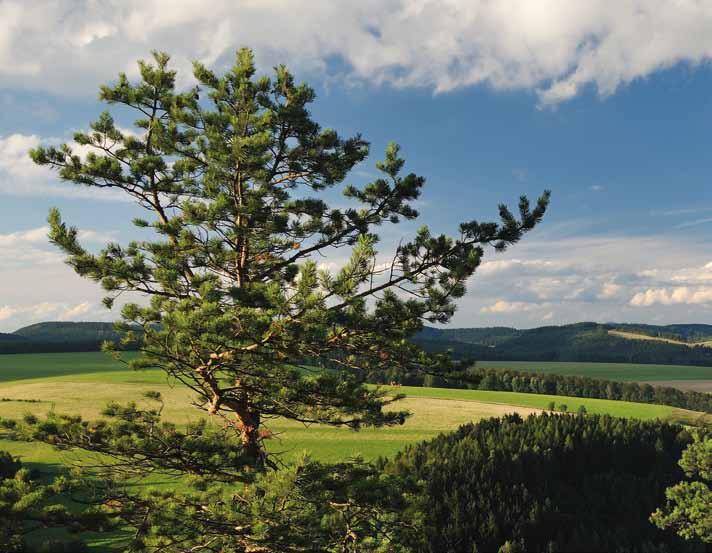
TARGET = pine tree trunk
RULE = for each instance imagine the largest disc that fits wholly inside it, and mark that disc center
(248, 422)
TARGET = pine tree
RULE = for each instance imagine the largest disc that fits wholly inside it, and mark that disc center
(229, 174)
(232, 176)
(28, 505)
(689, 504)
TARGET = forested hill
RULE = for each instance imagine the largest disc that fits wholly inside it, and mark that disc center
(585, 342)
(57, 337)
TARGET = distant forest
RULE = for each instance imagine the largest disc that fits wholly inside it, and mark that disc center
(57, 337)
(583, 342)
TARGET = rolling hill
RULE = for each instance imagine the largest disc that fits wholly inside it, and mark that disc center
(55, 337)
(587, 342)
(583, 342)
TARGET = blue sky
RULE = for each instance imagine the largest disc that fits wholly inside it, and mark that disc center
(611, 111)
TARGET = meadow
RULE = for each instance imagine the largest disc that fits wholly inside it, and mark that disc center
(83, 383)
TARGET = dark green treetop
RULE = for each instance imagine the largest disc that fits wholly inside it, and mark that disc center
(230, 175)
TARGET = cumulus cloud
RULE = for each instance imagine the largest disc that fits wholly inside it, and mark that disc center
(610, 290)
(588, 278)
(20, 176)
(554, 47)
(37, 284)
(504, 306)
(39, 236)
(55, 311)
(672, 296)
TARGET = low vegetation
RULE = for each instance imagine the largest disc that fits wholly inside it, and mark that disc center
(620, 372)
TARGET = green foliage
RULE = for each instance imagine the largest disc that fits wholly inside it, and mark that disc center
(689, 504)
(28, 505)
(691, 333)
(308, 506)
(546, 483)
(619, 372)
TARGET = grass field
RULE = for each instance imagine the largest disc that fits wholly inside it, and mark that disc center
(43, 365)
(65, 383)
(630, 372)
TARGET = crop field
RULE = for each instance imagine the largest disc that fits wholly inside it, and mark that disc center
(624, 372)
(66, 383)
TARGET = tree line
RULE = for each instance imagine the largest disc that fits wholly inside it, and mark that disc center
(508, 380)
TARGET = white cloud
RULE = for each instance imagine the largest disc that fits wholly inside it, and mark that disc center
(39, 236)
(20, 315)
(683, 295)
(610, 290)
(32, 236)
(20, 176)
(38, 286)
(555, 47)
(529, 266)
(504, 306)
(587, 278)
(695, 222)
(596, 188)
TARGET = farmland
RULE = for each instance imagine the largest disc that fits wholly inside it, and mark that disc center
(622, 372)
(83, 383)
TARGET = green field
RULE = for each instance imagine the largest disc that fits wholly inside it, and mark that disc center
(84, 382)
(42, 365)
(630, 372)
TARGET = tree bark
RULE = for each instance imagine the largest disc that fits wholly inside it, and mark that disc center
(248, 423)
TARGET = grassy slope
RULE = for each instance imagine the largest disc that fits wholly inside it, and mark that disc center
(434, 410)
(42, 365)
(622, 372)
(84, 382)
